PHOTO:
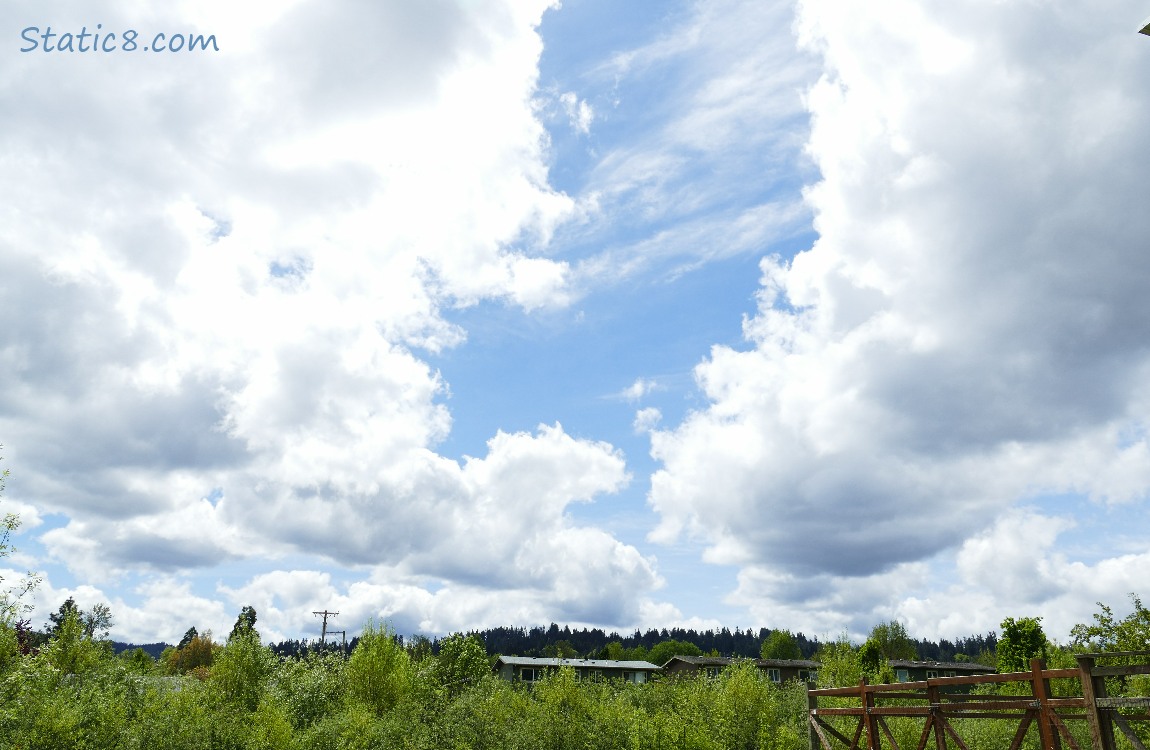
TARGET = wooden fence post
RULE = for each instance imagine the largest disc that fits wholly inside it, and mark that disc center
(1093, 688)
(935, 718)
(1040, 689)
(812, 735)
(872, 740)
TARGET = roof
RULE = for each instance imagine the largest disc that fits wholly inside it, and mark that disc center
(722, 661)
(967, 666)
(545, 661)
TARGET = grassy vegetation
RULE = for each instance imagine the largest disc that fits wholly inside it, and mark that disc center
(74, 693)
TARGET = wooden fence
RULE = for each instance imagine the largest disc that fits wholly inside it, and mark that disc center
(939, 701)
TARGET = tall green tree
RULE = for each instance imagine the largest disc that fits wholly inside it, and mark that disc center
(780, 644)
(245, 623)
(875, 666)
(1021, 640)
(462, 663)
(839, 663)
(379, 673)
(241, 669)
(661, 653)
(96, 622)
(189, 634)
(1108, 633)
(893, 640)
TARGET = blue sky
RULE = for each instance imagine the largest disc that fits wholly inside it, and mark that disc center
(502, 312)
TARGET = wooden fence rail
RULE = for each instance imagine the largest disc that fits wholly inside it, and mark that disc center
(936, 701)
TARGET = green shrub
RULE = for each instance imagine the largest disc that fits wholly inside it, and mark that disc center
(379, 672)
(310, 688)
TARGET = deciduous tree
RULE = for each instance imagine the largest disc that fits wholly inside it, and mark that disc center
(893, 640)
(661, 653)
(462, 662)
(780, 644)
(11, 606)
(379, 671)
(1107, 633)
(1021, 641)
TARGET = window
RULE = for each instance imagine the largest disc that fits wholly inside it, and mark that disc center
(808, 675)
(530, 674)
(637, 678)
(931, 674)
(902, 675)
(774, 675)
(950, 673)
(714, 671)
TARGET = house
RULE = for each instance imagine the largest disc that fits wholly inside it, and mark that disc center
(906, 670)
(778, 670)
(530, 668)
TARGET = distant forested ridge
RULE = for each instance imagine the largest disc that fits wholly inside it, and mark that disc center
(590, 642)
(593, 642)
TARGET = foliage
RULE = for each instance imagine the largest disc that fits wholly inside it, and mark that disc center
(77, 694)
(420, 648)
(462, 661)
(310, 688)
(780, 644)
(96, 622)
(138, 661)
(874, 663)
(1132, 633)
(11, 606)
(1108, 634)
(1021, 641)
(893, 640)
(189, 634)
(72, 650)
(662, 652)
(197, 653)
(241, 669)
(379, 672)
(245, 623)
(560, 650)
(839, 663)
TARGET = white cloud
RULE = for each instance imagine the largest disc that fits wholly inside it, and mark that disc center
(702, 159)
(223, 283)
(647, 419)
(637, 390)
(579, 112)
(966, 334)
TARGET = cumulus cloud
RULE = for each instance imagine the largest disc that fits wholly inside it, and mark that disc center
(647, 419)
(966, 334)
(222, 283)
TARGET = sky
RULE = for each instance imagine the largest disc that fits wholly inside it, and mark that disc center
(473, 313)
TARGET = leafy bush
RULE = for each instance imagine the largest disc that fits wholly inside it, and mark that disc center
(310, 688)
(379, 671)
(242, 668)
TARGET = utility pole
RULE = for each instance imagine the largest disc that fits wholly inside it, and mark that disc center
(323, 633)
